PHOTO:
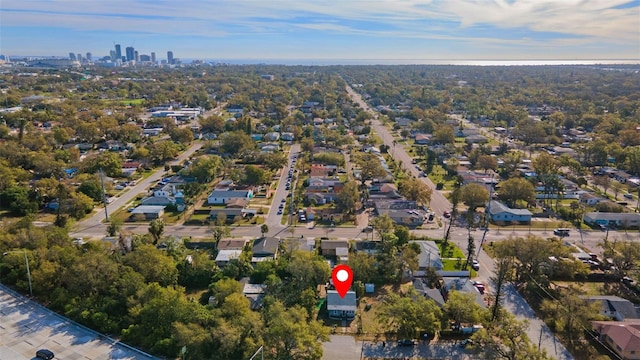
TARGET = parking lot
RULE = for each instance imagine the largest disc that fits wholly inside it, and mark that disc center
(26, 326)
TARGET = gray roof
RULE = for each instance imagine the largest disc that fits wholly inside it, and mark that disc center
(434, 294)
(429, 254)
(265, 246)
(148, 209)
(335, 302)
(496, 207)
(622, 306)
(610, 216)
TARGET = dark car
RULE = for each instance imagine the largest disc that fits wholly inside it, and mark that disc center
(45, 354)
(406, 342)
(446, 214)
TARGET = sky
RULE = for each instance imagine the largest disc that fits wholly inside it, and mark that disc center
(391, 30)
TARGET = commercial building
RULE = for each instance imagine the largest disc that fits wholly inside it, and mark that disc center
(170, 59)
(130, 53)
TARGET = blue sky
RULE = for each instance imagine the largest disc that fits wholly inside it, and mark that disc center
(327, 29)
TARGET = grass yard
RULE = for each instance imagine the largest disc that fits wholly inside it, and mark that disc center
(439, 175)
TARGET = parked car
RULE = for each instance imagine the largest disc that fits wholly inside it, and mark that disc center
(45, 354)
(475, 265)
(279, 211)
(446, 214)
(628, 196)
(561, 232)
(479, 286)
(466, 342)
(406, 342)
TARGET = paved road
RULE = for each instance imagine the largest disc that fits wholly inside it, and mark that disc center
(273, 220)
(26, 326)
(93, 226)
(439, 204)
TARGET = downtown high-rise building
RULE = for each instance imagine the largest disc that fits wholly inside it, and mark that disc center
(153, 57)
(118, 52)
(72, 56)
(130, 53)
(88, 56)
(170, 60)
(136, 56)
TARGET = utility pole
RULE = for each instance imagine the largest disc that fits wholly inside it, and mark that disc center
(104, 197)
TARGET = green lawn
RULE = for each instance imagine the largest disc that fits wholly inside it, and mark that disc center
(439, 175)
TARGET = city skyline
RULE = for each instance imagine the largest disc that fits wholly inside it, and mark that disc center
(312, 30)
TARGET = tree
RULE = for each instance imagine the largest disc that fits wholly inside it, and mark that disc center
(364, 267)
(415, 190)
(506, 338)
(181, 135)
(109, 162)
(529, 131)
(502, 276)
(603, 181)
(254, 175)
(487, 162)
(383, 224)
(474, 196)
(348, 197)
(407, 315)
(290, 335)
(444, 135)
(204, 168)
(225, 287)
(546, 167)
(264, 229)
(213, 124)
(273, 161)
(516, 189)
(370, 167)
(154, 264)
(156, 228)
(236, 143)
(461, 308)
(114, 227)
(570, 314)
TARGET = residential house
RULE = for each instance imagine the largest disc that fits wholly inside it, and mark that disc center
(622, 337)
(385, 190)
(231, 213)
(501, 213)
(423, 289)
(269, 147)
(160, 197)
(322, 198)
(408, 218)
(272, 136)
(368, 247)
(224, 256)
(287, 136)
(342, 307)
(319, 170)
(617, 220)
(422, 139)
(403, 121)
(466, 132)
(149, 212)
(255, 294)
(220, 197)
(325, 215)
(429, 256)
(464, 284)
(333, 247)
(472, 177)
(590, 199)
(384, 204)
(231, 244)
(237, 203)
(264, 248)
(614, 307)
(476, 139)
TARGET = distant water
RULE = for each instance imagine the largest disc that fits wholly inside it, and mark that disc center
(324, 62)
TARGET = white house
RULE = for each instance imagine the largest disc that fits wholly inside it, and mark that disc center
(218, 197)
(341, 307)
(224, 256)
(621, 220)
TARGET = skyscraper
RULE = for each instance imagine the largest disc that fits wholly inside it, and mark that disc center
(136, 56)
(130, 55)
(153, 57)
(170, 57)
(72, 56)
(79, 57)
(89, 56)
(118, 52)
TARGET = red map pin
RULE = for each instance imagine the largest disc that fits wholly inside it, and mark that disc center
(342, 278)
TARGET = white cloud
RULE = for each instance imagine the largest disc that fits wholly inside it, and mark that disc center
(542, 23)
